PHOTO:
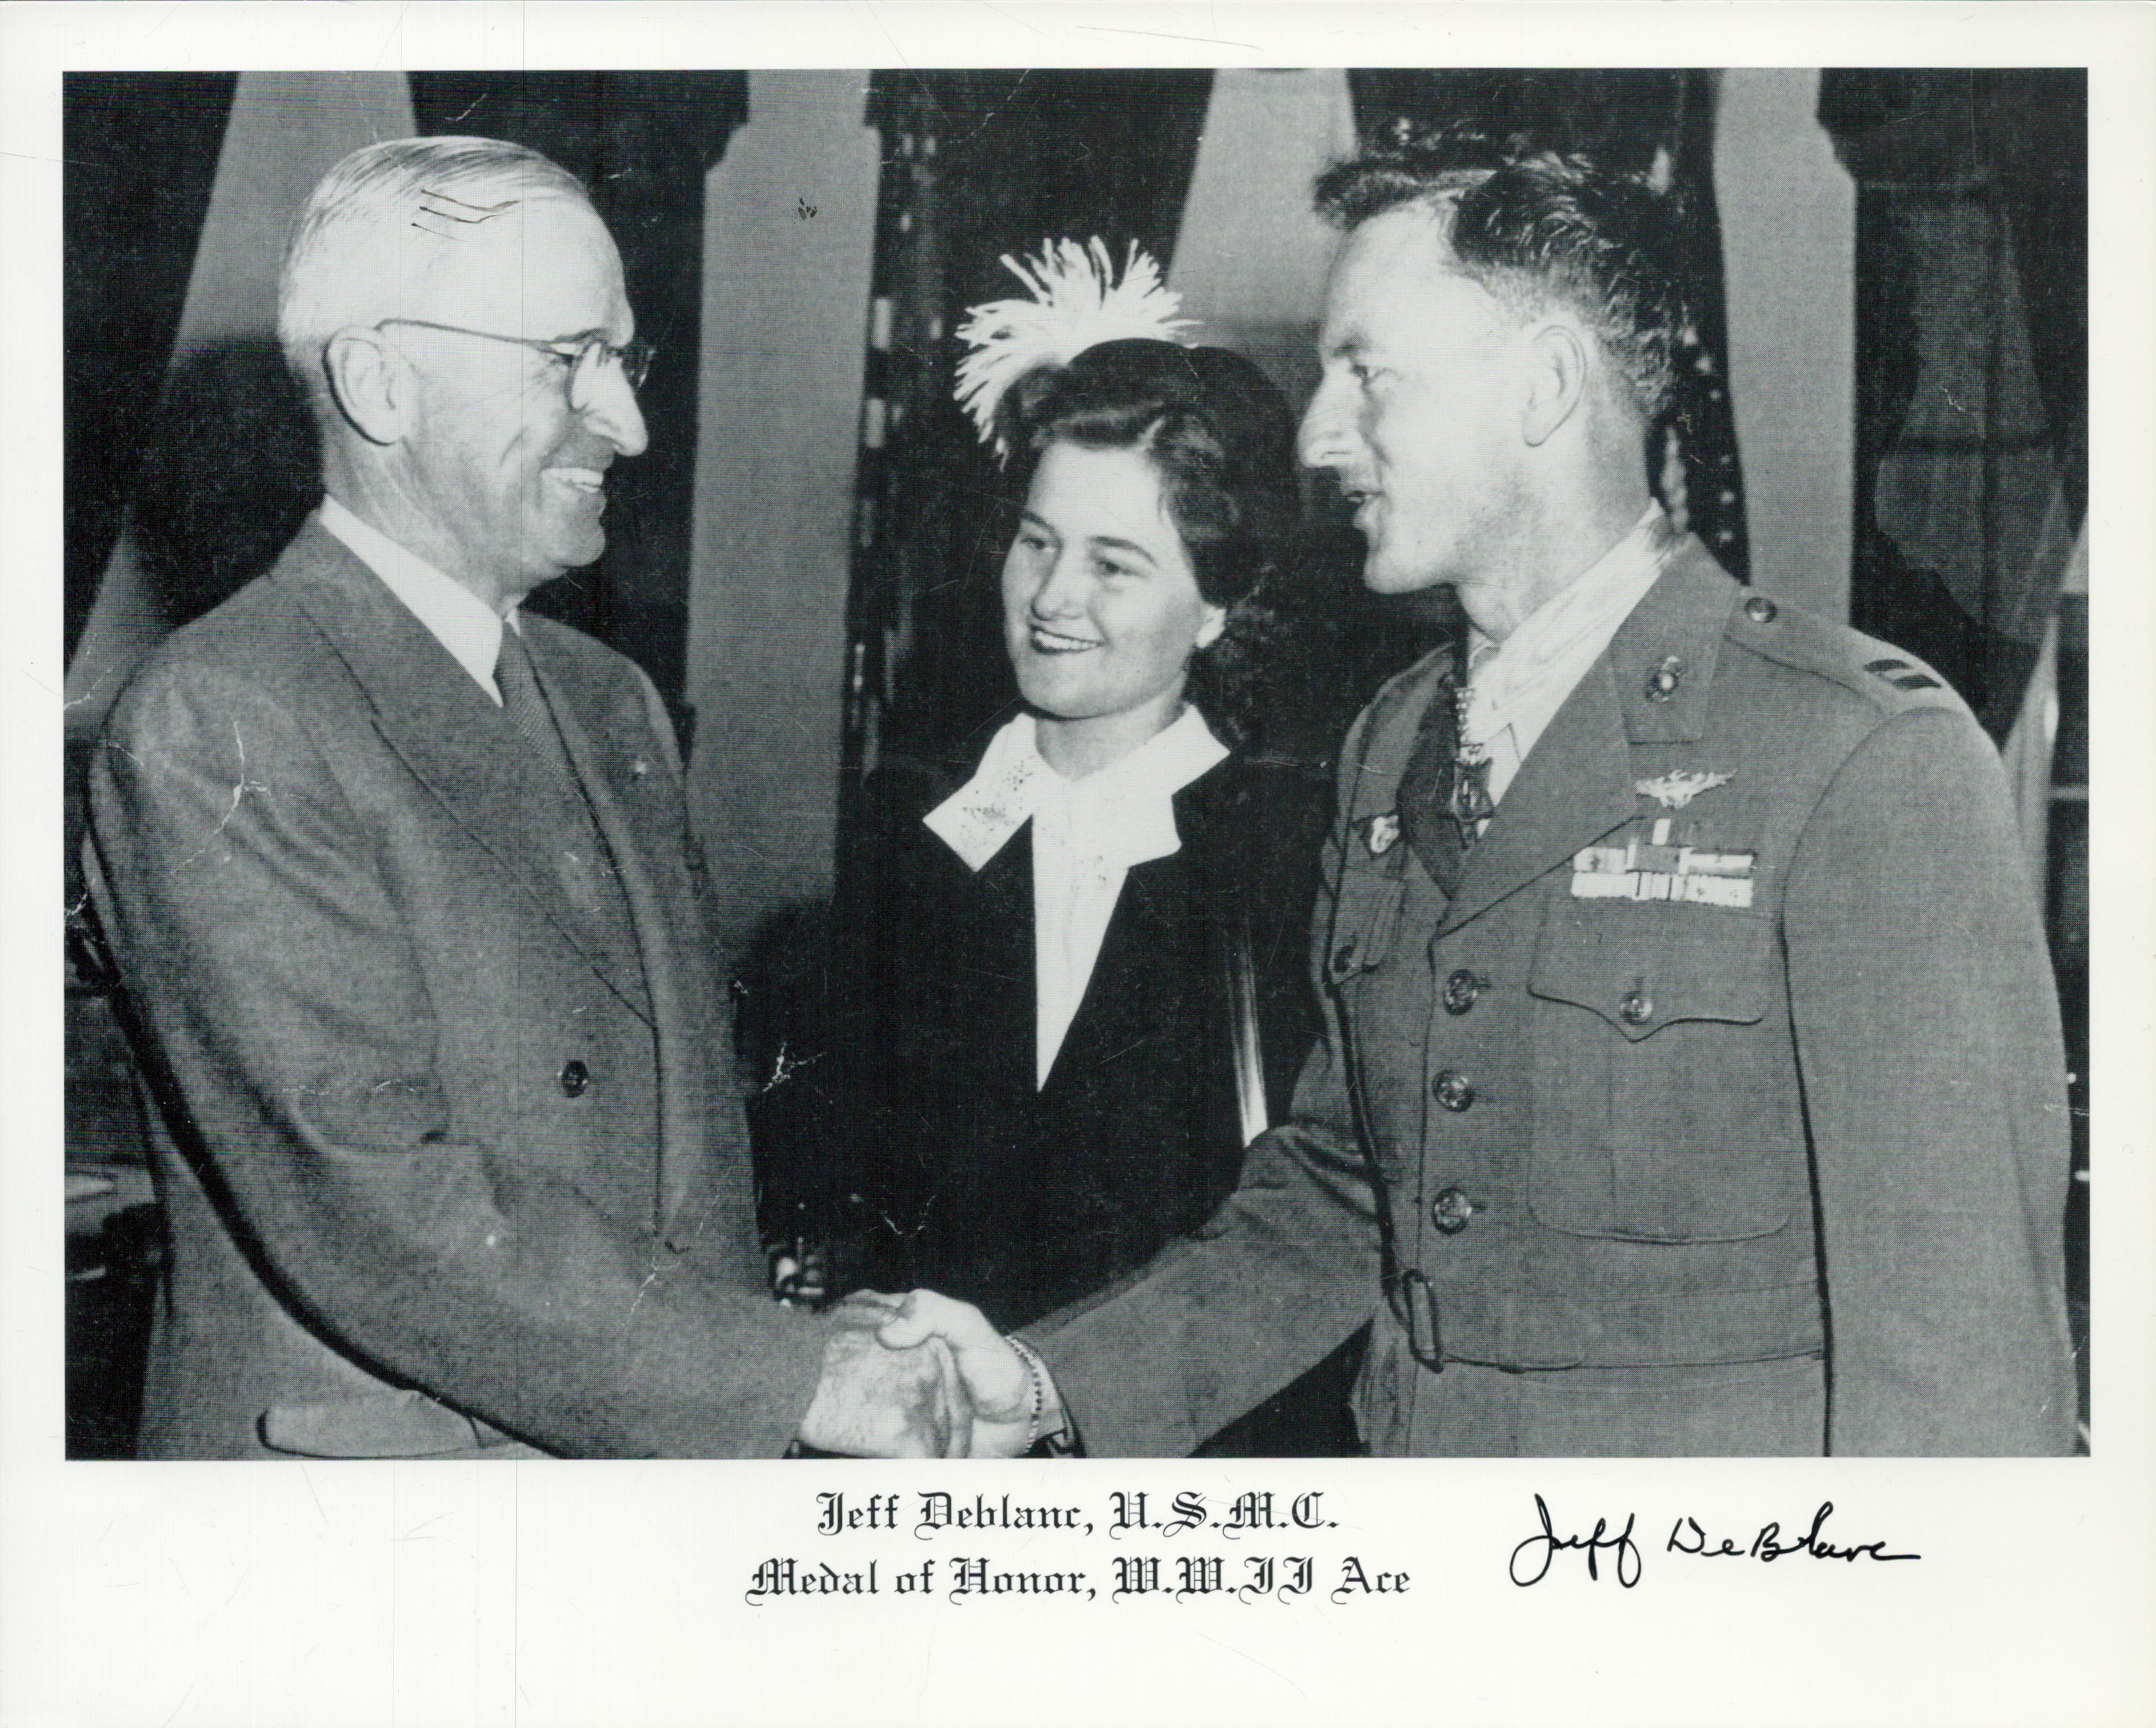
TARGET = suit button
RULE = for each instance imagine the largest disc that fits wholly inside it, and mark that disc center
(1454, 1090)
(1637, 1008)
(575, 1077)
(1760, 609)
(1461, 989)
(1451, 1210)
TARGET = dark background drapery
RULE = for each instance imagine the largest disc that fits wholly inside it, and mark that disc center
(218, 460)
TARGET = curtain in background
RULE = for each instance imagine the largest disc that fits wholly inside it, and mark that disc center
(1972, 362)
(1972, 453)
(129, 249)
(1652, 122)
(977, 165)
(217, 461)
(642, 141)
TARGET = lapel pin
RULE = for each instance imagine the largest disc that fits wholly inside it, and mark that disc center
(1384, 830)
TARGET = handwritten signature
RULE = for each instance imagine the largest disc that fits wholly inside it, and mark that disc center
(1531, 1558)
(1598, 1540)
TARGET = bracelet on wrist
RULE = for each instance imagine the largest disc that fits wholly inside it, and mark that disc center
(1036, 1375)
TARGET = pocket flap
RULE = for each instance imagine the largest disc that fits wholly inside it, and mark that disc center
(1366, 921)
(385, 1425)
(1642, 966)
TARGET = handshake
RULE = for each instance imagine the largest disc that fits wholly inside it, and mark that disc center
(925, 1377)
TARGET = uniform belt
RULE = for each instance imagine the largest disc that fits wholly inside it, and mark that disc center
(1525, 1331)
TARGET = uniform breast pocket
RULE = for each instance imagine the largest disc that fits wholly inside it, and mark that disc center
(1664, 1110)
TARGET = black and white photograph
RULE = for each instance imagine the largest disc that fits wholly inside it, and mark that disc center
(1303, 795)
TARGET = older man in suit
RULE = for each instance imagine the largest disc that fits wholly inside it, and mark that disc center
(401, 885)
(1694, 1084)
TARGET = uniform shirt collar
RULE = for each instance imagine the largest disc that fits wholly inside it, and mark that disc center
(1123, 816)
(1523, 680)
(457, 619)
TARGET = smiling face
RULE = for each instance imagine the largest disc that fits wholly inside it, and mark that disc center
(508, 476)
(1416, 414)
(1102, 609)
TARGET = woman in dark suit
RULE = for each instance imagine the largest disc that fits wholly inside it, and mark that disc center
(1085, 961)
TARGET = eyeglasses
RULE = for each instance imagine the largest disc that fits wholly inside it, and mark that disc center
(584, 356)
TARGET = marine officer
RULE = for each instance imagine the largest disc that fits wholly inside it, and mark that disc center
(1694, 1084)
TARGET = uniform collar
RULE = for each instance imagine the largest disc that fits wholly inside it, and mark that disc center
(1123, 816)
(1523, 680)
(1664, 656)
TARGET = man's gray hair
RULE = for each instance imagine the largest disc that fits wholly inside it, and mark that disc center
(377, 224)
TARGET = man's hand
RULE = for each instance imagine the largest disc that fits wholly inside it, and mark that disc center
(878, 1401)
(997, 1379)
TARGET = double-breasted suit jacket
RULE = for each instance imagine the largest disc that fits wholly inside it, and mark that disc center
(448, 1167)
(1721, 1108)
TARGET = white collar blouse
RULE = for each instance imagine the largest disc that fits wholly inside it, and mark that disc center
(1087, 834)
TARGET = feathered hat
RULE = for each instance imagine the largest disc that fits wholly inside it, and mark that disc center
(1077, 303)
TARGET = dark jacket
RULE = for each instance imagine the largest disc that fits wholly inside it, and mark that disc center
(441, 1171)
(1022, 1199)
(1684, 1175)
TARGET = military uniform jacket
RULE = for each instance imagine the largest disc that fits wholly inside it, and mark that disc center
(1736, 1053)
(448, 1168)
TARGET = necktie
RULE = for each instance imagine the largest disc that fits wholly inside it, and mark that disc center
(582, 863)
(526, 710)
(1443, 795)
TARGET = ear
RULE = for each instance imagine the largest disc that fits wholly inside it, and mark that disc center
(372, 384)
(1559, 361)
(1210, 625)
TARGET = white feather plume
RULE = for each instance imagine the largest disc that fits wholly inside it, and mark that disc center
(1076, 303)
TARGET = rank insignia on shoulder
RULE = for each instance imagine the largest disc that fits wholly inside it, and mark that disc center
(1901, 674)
(1673, 791)
(1380, 833)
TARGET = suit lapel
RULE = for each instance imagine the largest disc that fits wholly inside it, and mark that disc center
(1001, 962)
(1113, 1014)
(430, 712)
(1146, 945)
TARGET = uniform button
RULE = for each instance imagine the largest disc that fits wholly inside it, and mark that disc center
(1451, 1210)
(575, 1077)
(1454, 1090)
(1662, 682)
(1461, 989)
(1637, 1008)
(1760, 609)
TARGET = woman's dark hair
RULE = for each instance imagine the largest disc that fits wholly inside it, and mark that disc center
(1222, 438)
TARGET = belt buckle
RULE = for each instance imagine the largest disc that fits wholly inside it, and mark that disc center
(1425, 1342)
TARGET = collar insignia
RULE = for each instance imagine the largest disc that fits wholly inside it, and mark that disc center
(1673, 791)
(1382, 832)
